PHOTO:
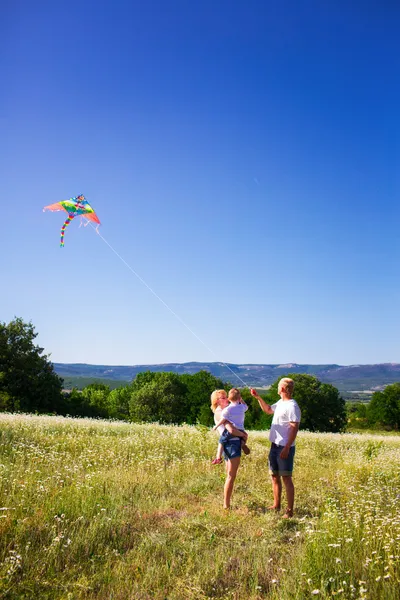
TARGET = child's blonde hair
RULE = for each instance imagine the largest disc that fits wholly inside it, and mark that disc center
(286, 385)
(214, 399)
(234, 395)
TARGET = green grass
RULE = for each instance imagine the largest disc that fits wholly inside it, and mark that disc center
(99, 510)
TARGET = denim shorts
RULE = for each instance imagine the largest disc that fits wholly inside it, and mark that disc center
(232, 449)
(225, 436)
(278, 465)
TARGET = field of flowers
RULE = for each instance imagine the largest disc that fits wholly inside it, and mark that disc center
(99, 510)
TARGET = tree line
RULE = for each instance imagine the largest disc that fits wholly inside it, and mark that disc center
(383, 410)
(28, 383)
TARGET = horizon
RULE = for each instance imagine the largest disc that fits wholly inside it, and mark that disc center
(197, 362)
(244, 166)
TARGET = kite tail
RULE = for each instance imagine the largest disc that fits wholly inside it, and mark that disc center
(66, 223)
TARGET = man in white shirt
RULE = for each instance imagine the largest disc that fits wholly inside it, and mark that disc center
(282, 435)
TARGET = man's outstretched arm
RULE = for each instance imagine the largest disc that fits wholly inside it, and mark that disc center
(264, 406)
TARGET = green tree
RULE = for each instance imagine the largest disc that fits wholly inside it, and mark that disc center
(356, 409)
(142, 379)
(384, 408)
(157, 397)
(255, 417)
(96, 396)
(28, 381)
(199, 388)
(356, 414)
(118, 402)
(322, 407)
(76, 405)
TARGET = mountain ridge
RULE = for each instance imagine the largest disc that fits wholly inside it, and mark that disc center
(358, 377)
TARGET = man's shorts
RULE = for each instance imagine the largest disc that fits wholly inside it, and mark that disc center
(278, 465)
(232, 449)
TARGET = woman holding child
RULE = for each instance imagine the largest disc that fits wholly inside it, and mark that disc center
(229, 421)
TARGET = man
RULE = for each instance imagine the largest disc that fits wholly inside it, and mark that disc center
(282, 435)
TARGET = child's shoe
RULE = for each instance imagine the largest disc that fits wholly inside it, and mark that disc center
(216, 461)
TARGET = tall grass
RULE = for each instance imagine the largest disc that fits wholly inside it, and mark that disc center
(92, 509)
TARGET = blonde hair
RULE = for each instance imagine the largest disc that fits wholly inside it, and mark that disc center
(214, 399)
(286, 385)
(234, 394)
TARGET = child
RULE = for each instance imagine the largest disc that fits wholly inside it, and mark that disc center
(232, 421)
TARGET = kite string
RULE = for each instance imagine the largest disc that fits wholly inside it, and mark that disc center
(166, 305)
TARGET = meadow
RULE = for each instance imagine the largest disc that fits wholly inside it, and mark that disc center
(108, 510)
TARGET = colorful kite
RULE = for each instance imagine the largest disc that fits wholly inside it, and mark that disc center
(77, 206)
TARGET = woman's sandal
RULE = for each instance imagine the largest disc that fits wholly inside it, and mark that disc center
(216, 461)
(288, 514)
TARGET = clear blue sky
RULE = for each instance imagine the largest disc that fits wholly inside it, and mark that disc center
(243, 158)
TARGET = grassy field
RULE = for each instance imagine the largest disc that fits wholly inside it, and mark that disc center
(91, 509)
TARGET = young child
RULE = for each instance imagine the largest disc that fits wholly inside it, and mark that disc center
(231, 423)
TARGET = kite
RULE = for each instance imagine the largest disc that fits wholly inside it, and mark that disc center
(77, 206)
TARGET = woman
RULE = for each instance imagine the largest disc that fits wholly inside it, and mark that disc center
(232, 448)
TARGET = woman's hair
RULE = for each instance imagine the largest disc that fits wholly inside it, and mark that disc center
(234, 394)
(214, 399)
(286, 385)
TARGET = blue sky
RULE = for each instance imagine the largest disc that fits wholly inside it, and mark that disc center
(243, 159)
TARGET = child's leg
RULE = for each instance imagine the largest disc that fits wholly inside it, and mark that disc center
(236, 432)
(245, 447)
(219, 451)
(218, 459)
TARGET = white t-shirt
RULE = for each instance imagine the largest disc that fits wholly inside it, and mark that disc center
(285, 412)
(234, 413)
(217, 418)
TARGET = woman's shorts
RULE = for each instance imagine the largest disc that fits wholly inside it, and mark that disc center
(232, 449)
(278, 465)
(225, 436)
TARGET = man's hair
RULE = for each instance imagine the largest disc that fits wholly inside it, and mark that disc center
(286, 385)
(214, 399)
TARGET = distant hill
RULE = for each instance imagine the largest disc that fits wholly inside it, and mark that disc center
(352, 380)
